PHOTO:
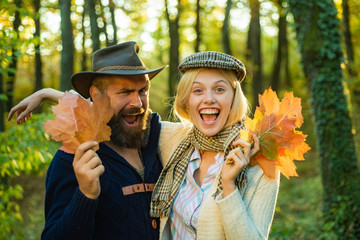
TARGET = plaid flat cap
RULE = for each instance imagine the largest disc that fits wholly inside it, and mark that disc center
(213, 60)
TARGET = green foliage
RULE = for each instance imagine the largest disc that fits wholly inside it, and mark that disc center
(320, 42)
(298, 210)
(25, 149)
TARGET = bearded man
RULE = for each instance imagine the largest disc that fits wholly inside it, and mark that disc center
(106, 194)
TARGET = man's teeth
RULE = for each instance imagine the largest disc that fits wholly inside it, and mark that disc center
(132, 114)
(131, 119)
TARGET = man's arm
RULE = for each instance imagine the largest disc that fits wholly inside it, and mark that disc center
(24, 108)
(72, 194)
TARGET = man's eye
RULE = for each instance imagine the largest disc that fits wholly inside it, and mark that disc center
(143, 91)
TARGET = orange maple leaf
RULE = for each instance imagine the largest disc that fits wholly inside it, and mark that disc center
(275, 124)
(78, 121)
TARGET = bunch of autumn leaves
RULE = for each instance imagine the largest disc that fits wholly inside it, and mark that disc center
(275, 123)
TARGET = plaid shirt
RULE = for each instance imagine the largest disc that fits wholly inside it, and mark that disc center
(186, 208)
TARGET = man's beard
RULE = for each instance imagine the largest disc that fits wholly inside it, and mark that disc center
(125, 136)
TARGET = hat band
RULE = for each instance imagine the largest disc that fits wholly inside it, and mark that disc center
(122, 68)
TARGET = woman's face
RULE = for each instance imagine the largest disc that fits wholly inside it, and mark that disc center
(210, 101)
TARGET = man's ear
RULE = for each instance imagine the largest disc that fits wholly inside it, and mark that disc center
(93, 91)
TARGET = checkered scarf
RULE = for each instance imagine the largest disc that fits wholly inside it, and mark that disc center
(173, 173)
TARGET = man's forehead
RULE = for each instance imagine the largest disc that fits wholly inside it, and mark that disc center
(130, 80)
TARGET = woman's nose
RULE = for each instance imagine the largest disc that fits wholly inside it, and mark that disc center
(209, 98)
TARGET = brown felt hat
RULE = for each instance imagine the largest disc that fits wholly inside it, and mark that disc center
(213, 60)
(120, 60)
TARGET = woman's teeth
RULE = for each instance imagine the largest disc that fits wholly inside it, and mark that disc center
(209, 114)
(209, 111)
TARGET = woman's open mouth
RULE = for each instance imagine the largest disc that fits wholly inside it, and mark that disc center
(209, 115)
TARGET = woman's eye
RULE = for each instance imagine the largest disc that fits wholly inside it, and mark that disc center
(220, 89)
(197, 91)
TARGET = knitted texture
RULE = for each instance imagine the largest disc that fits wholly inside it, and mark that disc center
(213, 60)
(245, 214)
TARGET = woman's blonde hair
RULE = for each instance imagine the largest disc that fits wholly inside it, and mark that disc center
(239, 107)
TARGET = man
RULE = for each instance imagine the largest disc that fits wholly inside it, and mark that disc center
(106, 195)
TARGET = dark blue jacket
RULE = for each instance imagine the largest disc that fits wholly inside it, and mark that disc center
(71, 215)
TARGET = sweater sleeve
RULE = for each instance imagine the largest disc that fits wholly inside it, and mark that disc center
(250, 216)
(68, 213)
(171, 135)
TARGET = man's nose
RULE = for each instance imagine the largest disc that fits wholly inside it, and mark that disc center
(135, 101)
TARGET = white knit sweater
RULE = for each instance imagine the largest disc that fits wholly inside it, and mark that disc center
(244, 214)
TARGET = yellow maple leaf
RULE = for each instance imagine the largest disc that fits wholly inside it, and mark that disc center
(275, 124)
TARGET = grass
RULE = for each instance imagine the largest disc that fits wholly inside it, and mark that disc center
(31, 206)
(298, 211)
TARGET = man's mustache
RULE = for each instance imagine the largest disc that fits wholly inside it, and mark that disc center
(132, 111)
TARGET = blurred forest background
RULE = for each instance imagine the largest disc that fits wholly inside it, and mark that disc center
(291, 45)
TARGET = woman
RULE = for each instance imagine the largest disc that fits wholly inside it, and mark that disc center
(199, 195)
(206, 189)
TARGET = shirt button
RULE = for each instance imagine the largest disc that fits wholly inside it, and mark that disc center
(154, 224)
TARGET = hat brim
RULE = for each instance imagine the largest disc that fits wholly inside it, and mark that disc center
(82, 81)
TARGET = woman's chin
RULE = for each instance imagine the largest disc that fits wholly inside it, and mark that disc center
(210, 129)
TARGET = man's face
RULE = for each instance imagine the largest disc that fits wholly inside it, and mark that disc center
(130, 99)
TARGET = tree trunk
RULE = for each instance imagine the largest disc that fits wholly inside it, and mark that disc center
(288, 78)
(347, 37)
(95, 31)
(38, 63)
(67, 53)
(275, 82)
(174, 48)
(225, 29)
(255, 51)
(197, 26)
(113, 22)
(10, 83)
(318, 34)
(2, 102)
(84, 55)
(104, 28)
(354, 81)
(248, 43)
(158, 35)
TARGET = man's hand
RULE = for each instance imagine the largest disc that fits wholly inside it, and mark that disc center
(88, 169)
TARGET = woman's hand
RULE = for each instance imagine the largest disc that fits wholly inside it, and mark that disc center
(24, 108)
(236, 160)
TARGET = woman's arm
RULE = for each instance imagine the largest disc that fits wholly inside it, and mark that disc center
(24, 108)
(250, 216)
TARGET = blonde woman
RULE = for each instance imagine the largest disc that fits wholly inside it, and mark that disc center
(206, 190)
